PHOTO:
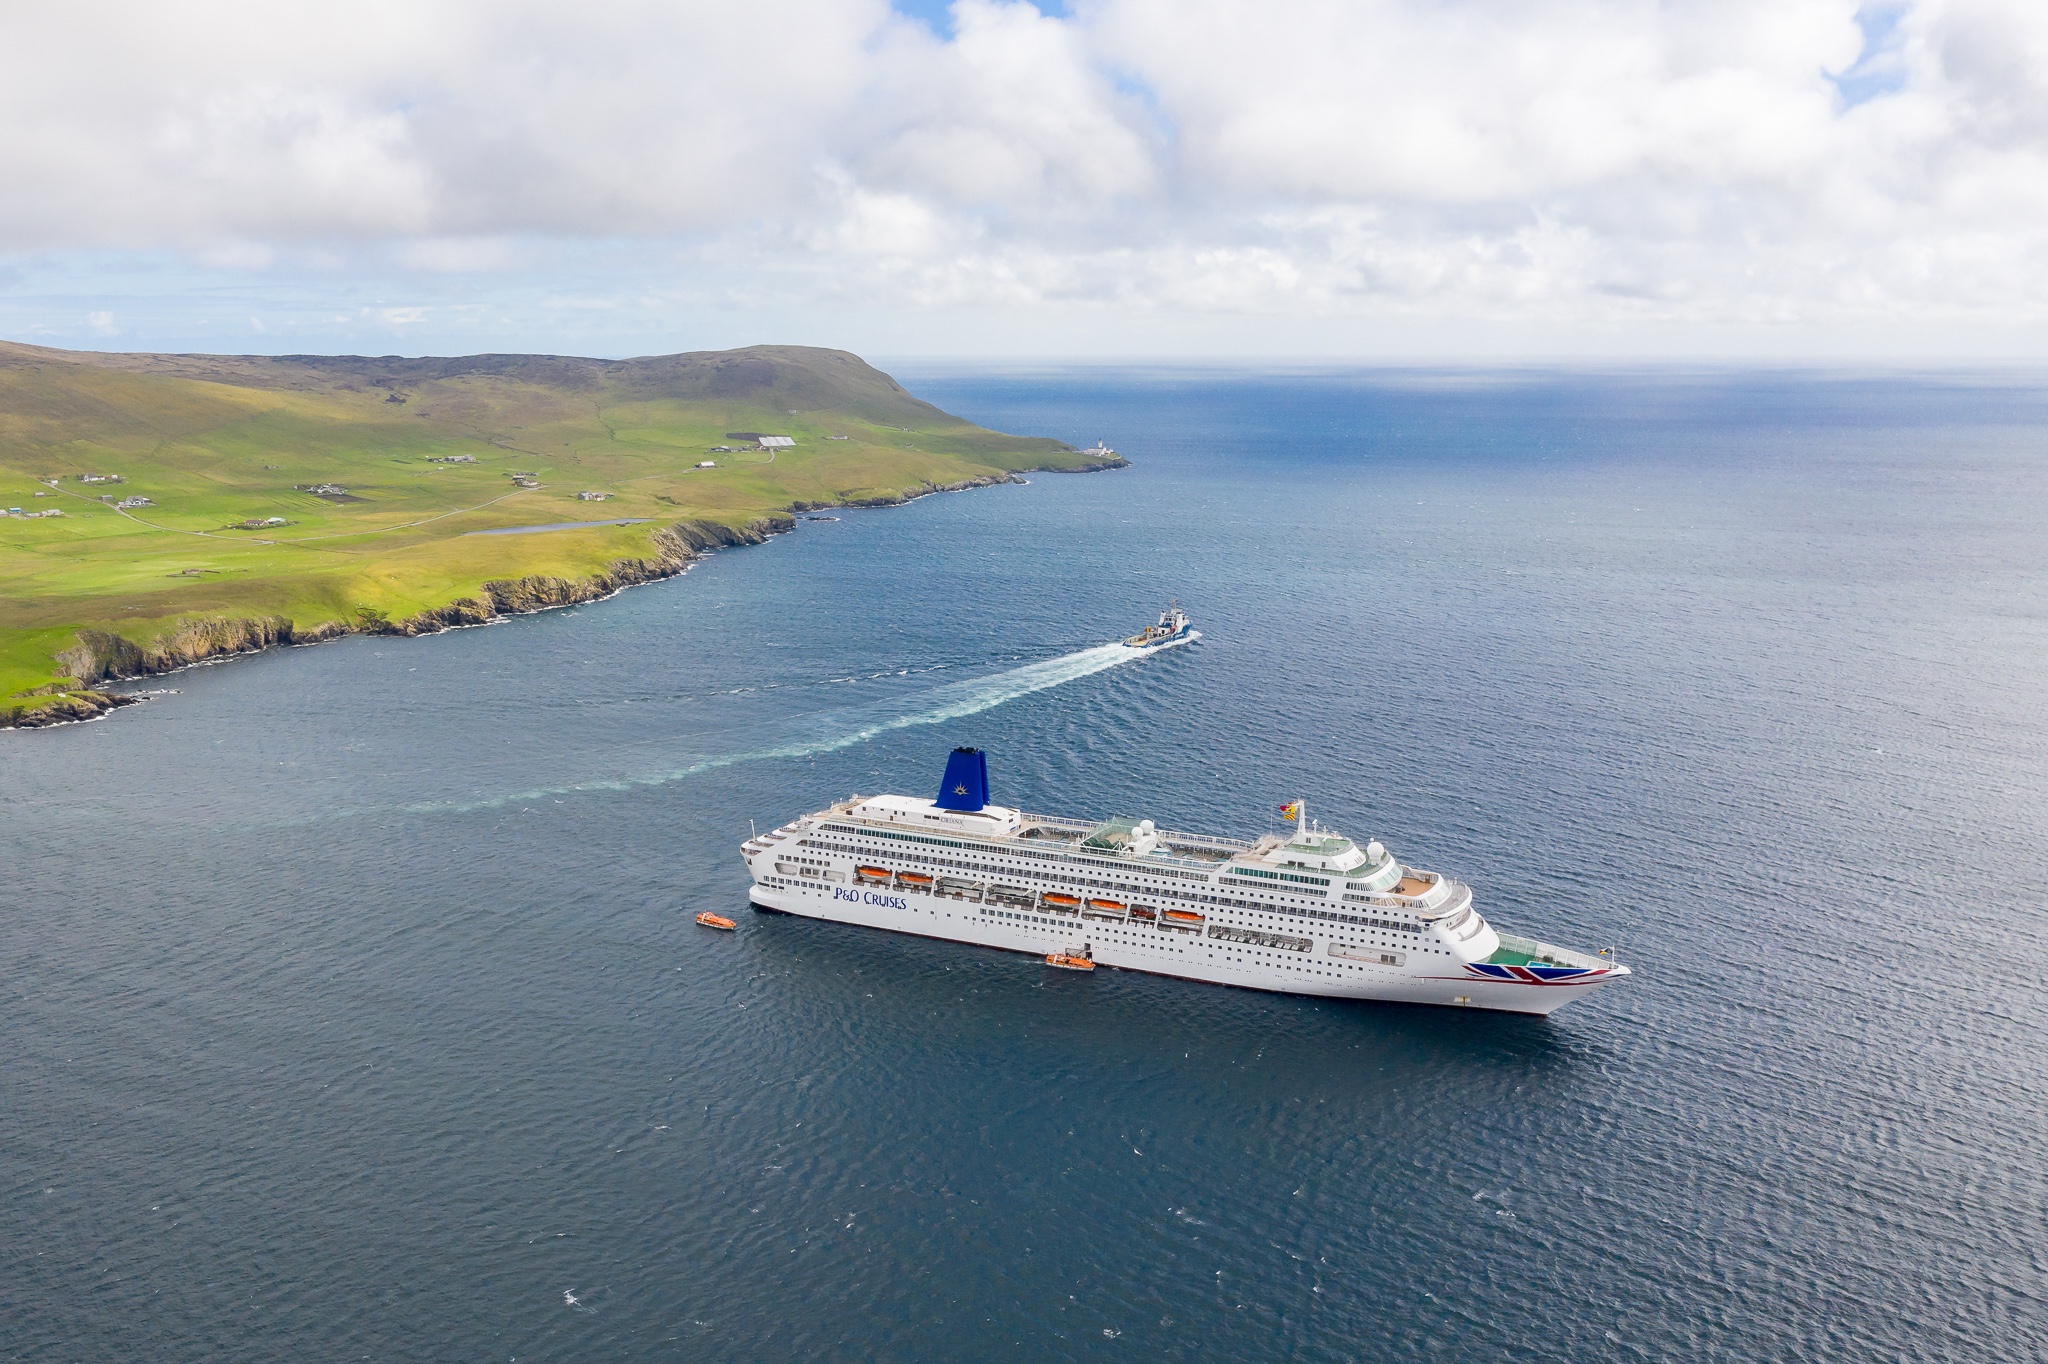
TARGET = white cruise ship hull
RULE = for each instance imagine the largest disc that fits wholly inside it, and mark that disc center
(1132, 948)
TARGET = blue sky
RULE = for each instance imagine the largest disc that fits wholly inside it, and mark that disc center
(1880, 67)
(1762, 179)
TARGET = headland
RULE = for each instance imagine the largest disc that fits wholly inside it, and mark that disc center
(163, 510)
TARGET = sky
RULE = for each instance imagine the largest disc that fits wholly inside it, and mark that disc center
(1769, 180)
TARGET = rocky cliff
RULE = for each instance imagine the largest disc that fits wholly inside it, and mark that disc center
(927, 488)
(69, 707)
(675, 548)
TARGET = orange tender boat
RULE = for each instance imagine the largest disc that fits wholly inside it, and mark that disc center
(1105, 904)
(1062, 901)
(710, 920)
(913, 878)
(1182, 916)
(872, 873)
(1067, 962)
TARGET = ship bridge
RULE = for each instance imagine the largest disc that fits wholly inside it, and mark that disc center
(990, 821)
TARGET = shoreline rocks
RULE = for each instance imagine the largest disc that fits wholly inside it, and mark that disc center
(676, 548)
(71, 707)
(927, 488)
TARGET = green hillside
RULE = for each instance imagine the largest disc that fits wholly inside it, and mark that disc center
(379, 470)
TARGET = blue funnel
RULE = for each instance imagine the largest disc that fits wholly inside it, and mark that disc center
(966, 783)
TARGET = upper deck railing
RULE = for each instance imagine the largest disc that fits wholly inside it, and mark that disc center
(1205, 842)
(1056, 822)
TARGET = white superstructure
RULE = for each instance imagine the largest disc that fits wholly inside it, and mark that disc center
(1309, 914)
(1173, 628)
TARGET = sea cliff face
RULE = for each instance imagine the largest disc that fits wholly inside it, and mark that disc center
(676, 547)
(72, 705)
(927, 488)
(102, 656)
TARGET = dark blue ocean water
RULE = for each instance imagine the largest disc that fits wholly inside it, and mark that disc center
(353, 1008)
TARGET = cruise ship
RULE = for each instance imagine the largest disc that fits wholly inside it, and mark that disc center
(1311, 913)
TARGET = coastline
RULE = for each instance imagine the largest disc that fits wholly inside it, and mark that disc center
(102, 656)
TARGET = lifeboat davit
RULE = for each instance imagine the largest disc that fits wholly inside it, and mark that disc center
(1059, 901)
(1068, 962)
(710, 920)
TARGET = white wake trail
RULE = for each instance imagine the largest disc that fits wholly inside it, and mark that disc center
(830, 731)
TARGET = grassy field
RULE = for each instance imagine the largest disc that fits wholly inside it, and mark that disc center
(426, 451)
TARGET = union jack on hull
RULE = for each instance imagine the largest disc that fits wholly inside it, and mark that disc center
(1537, 973)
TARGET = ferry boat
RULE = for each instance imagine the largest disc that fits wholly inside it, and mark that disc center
(1309, 913)
(1173, 629)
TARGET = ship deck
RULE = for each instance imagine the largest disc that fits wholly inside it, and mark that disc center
(1514, 951)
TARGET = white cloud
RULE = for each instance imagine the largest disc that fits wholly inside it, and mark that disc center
(397, 317)
(1563, 160)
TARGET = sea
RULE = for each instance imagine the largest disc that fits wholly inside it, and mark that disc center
(354, 1007)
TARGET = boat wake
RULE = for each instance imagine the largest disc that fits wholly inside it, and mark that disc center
(832, 730)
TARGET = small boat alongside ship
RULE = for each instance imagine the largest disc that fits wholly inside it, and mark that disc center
(1309, 912)
(718, 921)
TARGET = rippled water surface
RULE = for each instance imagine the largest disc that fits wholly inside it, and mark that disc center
(354, 1008)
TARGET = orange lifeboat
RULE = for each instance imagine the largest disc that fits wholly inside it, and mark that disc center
(1066, 961)
(1182, 916)
(915, 878)
(1059, 901)
(710, 920)
(872, 873)
(1117, 905)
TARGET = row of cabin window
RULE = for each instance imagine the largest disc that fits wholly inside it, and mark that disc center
(1226, 933)
(1014, 852)
(1174, 892)
(1278, 876)
(1222, 933)
(932, 859)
